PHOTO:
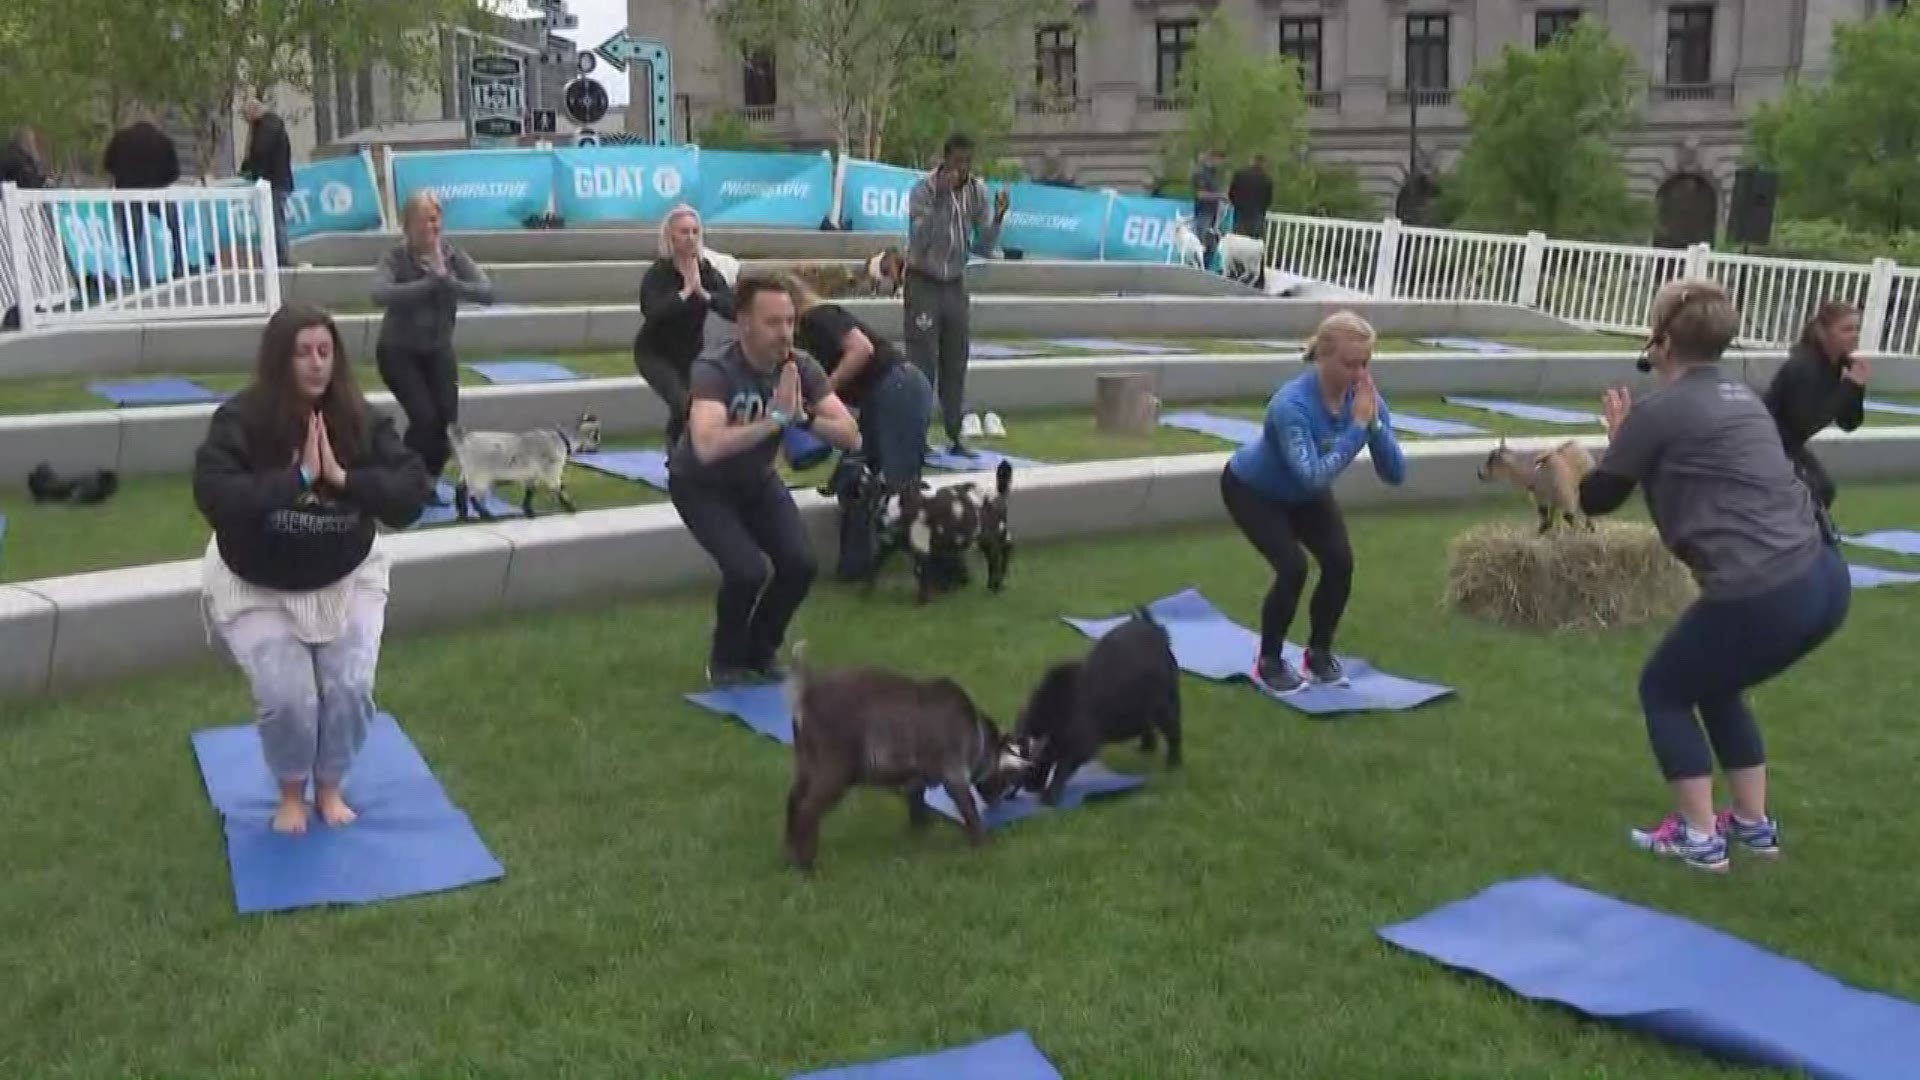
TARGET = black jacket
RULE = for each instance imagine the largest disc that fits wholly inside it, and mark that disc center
(672, 328)
(1251, 194)
(1808, 393)
(142, 156)
(19, 167)
(269, 153)
(272, 529)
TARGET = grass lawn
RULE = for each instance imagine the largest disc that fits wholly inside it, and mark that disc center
(70, 394)
(1219, 923)
(153, 519)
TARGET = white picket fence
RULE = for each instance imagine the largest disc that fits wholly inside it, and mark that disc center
(89, 256)
(1597, 286)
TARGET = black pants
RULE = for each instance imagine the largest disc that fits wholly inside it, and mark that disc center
(1814, 475)
(426, 383)
(939, 341)
(1718, 650)
(668, 378)
(766, 563)
(1279, 531)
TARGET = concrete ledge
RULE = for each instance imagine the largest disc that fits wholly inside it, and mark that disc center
(60, 633)
(611, 244)
(231, 344)
(162, 440)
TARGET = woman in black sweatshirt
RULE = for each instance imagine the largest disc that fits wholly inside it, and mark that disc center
(676, 294)
(294, 476)
(1821, 383)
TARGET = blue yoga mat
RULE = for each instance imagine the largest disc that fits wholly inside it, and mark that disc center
(1668, 977)
(441, 515)
(153, 392)
(1092, 781)
(1544, 414)
(1234, 429)
(804, 449)
(641, 466)
(523, 371)
(1870, 405)
(1872, 577)
(409, 838)
(1008, 1057)
(1109, 345)
(762, 708)
(1277, 343)
(1421, 425)
(981, 350)
(1898, 541)
(1208, 644)
(976, 459)
(1475, 345)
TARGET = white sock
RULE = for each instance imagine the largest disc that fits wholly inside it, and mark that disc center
(1694, 836)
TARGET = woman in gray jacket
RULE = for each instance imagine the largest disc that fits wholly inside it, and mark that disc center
(421, 282)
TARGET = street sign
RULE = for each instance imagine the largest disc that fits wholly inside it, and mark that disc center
(649, 107)
(497, 113)
(586, 101)
(586, 63)
(544, 122)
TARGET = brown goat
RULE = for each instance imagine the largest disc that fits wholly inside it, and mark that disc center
(1550, 478)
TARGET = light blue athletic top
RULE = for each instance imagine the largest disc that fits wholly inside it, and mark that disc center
(1303, 447)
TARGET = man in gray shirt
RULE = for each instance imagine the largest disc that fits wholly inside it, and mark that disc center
(944, 210)
(1727, 502)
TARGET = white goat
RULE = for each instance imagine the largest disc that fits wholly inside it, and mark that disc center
(1241, 257)
(532, 459)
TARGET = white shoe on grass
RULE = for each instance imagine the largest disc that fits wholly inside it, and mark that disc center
(970, 426)
(995, 429)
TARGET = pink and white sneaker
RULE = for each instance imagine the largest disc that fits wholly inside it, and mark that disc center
(1671, 837)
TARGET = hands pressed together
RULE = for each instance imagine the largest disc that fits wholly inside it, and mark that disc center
(317, 456)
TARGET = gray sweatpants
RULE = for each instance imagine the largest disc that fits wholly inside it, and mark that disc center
(938, 342)
(312, 703)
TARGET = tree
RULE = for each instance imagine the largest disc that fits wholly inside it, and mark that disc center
(938, 97)
(1540, 154)
(860, 58)
(1248, 102)
(1848, 150)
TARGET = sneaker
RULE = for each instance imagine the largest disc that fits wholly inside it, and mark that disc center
(994, 427)
(1276, 674)
(1325, 669)
(1670, 838)
(970, 426)
(1761, 838)
(958, 449)
(727, 678)
(768, 673)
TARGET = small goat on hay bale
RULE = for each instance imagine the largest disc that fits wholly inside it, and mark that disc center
(1550, 478)
(1617, 575)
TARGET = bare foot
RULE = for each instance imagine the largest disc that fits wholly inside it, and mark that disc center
(333, 809)
(290, 817)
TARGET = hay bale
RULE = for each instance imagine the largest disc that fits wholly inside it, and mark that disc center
(1618, 575)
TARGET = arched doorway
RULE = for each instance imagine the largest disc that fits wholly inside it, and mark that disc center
(1689, 210)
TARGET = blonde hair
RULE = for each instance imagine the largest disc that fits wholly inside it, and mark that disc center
(666, 228)
(1345, 324)
(418, 203)
(804, 298)
(1696, 317)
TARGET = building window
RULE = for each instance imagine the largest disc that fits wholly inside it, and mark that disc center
(1056, 61)
(1690, 45)
(1172, 40)
(1300, 42)
(1549, 25)
(760, 82)
(1429, 41)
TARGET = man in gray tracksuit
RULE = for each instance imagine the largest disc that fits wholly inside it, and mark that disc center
(943, 210)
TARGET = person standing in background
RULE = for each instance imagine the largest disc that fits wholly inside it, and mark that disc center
(1251, 195)
(421, 282)
(270, 158)
(945, 209)
(142, 157)
(1208, 200)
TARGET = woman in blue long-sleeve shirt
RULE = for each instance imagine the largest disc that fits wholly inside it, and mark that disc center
(1279, 490)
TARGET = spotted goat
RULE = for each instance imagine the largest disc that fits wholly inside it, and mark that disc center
(533, 459)
(937, 526)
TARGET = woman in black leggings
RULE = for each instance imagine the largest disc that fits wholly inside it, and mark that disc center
(421, 282)
(722, 480)
(1821, 383)
(1279, 490)
(676, 294)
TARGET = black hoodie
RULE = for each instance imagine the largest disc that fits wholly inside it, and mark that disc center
(277, 532)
